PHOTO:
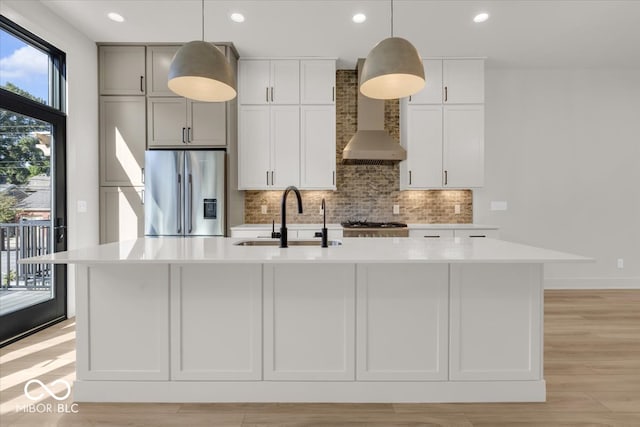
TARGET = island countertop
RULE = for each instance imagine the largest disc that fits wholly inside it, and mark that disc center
(199, 250)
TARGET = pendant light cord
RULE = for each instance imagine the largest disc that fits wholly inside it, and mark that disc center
(391, 18)
(202, 20)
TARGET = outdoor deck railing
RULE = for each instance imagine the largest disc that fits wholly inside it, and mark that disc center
(22, 240)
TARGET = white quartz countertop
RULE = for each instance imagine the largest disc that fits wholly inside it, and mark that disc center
(465, 226)
(289, 226)
(177, 250)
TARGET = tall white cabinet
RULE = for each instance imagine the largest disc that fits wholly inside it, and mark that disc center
(286, 132)
(442, 127)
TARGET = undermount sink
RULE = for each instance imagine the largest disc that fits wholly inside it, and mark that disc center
(291, 243)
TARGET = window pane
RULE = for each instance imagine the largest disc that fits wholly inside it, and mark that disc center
(25, 210)
(24, 69)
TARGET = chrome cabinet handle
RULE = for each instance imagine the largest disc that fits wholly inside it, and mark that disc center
(190, 203)
(179, 203)
(142, 84)
(446, 178)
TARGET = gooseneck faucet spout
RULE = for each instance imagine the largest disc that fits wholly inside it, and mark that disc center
(324, 235)
(283, 213)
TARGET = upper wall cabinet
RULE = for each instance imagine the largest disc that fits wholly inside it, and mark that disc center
(452, 81)
(122, 70)
(158, 62)
(274, 81)
(318, 81)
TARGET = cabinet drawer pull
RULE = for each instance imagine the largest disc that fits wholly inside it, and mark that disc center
(142, 174)
(189, 136)
(409, 177)
(142, 84)
(267, 177)
(142, 197)
(409, 98)
(266, 93)
(183, 137)
(334, 177)
(446, 94)
(478, 235)
(333, 94)
(432, 236)
(446, 178)
(271, 93)
(271, 177)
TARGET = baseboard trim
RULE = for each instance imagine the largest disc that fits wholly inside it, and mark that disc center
(310, 391)
(592, 283)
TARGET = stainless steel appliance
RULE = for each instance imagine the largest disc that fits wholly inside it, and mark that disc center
(184, 193)
(374, 229)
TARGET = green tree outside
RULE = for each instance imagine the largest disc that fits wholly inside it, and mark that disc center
(7, 208)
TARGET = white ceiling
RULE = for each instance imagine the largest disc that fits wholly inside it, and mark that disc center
(519, 33)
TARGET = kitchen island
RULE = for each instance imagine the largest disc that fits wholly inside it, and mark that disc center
(371, 320)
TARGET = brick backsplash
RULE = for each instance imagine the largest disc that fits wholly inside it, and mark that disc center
(363, 191)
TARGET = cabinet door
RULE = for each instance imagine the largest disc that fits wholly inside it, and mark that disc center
(463, 81)
(285, 81)
(166, 122)
(432, 92)
(207, 123)
(285, 146)
(424, 146)
(121, 213)
(254, 149)
(402, 325)
(216, 322)
(463, 146)
(254, 87)
(121, 70)
(317, 81)
(318, 147)
(122, 140)
(309, 322)
(496, 317)
(158, 63)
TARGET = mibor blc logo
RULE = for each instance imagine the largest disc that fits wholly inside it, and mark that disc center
(32, 391)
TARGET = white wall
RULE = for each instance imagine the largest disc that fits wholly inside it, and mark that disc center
(82, 119)
(563, 149)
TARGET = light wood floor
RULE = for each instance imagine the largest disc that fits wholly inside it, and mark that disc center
(592, 368)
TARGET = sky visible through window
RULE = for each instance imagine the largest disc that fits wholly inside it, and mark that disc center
(24, 66)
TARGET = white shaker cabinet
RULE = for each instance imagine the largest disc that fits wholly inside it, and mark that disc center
(121, 213)
(318, 81)
(179, 122)
(121, 70)
(263, 81)
(318, 147)
(269, 152)
(463, 81)
(432, 93)
(421, 135)
(402, 326)
(216, 322)
(316, 346)
(463, 146)
(122, 140)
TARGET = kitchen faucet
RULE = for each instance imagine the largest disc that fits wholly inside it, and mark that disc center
(324, 242)
(283, 213)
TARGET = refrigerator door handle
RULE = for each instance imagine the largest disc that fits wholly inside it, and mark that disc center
(190, 203)
(179, 204)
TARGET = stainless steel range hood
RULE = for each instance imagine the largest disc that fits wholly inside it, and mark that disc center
(371, 144)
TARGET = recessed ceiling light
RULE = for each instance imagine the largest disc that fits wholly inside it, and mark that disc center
(115, 17)
(359, 18)
(237, 17)
(481, 17)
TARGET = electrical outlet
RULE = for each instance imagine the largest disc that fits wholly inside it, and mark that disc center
(456, 209)
(81, 206)
(620, 263)
(396, 209)
(263, 209)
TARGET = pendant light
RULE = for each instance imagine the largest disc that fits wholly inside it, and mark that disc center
(393, 69)
(200, 71)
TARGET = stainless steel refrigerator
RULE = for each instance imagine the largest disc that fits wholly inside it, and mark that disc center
(184, 193)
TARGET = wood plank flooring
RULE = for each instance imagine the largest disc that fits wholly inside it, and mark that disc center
(592, 368)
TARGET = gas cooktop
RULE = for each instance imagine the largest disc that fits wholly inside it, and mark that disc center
(367, 224)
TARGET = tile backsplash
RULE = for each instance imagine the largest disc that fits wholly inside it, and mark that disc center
(363, 191)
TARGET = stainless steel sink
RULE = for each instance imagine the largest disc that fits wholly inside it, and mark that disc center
(290, 243)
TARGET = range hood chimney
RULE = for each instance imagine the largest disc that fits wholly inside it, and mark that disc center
(371, 144)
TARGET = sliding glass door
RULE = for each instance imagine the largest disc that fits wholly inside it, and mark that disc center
(32, 182)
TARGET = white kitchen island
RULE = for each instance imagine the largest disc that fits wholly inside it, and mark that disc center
(372, 320)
